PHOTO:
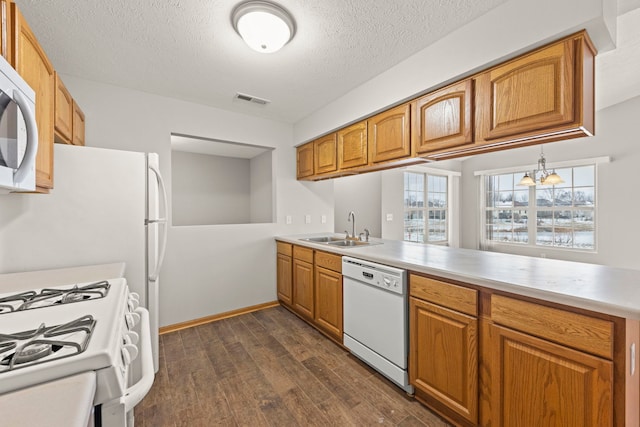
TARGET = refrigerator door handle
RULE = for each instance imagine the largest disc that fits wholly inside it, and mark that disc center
(156, 271)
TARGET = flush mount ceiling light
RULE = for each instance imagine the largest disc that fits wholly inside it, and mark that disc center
(546, 177)
(264, 26)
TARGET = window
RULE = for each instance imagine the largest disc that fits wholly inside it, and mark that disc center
(425, 208)
(559, 216)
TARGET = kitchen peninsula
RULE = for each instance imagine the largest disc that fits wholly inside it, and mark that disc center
(490, 333)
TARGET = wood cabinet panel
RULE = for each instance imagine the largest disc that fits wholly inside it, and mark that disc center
(328, 301)
(5, 30)
(285, 278)
(303, 295)
(444, 118)
(444, 356)
(31, 62)
(304, 160)
(63, 113)
(325, 154)
(571, 329)
(389, 134)
(538, 383)
(303, 254)
(445, 294)
(329, 261)
(352, 146)
(78, 125)
(284, 248)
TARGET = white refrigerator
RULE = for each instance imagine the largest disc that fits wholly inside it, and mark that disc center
(106, 206)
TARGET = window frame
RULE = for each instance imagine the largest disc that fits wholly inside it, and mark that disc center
(426, 173)
(533, 208)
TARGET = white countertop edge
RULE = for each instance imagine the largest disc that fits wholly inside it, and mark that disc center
(610, 303)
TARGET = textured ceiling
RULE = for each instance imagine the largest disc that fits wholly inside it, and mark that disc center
(187, 49)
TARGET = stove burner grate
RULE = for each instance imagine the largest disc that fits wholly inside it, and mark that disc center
(45, 343)
(49, 297)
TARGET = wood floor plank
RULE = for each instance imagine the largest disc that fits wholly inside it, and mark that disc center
(269, 368)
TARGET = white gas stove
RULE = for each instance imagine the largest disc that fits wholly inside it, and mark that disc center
(52, 333)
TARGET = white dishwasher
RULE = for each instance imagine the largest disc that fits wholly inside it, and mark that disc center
(376, 317)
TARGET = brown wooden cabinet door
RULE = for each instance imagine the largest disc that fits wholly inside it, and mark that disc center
(444, 118)
(63, 113)
(285, 278)
(328, 303)
(528, 94)
(444, 356)
(536, 383)
(389, 134)
(352, 146)
(303, 288)
(78, 125)
(304, 160)
(31, 62)
(325, 154)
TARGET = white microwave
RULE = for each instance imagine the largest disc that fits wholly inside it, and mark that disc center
(18, 132)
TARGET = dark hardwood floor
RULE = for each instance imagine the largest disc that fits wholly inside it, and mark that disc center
(269, 368)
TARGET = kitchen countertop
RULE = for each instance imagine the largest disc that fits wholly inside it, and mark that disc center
(598, 288)
(62, 403)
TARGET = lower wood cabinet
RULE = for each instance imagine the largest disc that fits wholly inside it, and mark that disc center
(284, 272)
(328, 302)
(539, 383)
(303, 295)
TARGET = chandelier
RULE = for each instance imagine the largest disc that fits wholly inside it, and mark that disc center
(545, 178)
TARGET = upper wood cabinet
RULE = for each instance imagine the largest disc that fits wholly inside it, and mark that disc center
(325, 154)
(444, 118)
(63, 113)
(78, 125)
(352, 146)
(31, 62)
(304, 160)
(389, 136)
(546, 95)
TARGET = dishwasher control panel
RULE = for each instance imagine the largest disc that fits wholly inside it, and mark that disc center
(379, 275)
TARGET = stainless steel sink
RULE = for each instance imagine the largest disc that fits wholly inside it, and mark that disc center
(348, 243)
(324, 239)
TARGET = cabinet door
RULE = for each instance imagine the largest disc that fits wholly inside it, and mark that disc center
(352, 146)
(444, 118)
(389, 134)
(31, 62)
(528, 94)
(303, 287)
(78, 125)
(284, 279)
(304, 160)
(5, 30)
(63, 113)
(444, 356)
(328, 303)
(325, 154)
(537, 383)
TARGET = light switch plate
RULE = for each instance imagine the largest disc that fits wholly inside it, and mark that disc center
(389, 217)
(288, 219)
(323, 219)
(307, 219)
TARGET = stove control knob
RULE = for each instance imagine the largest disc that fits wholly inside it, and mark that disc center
(131, 337)
(134, 301)
(131, 319)
(129, 353)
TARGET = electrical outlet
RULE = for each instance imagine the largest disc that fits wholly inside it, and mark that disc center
(307, 219)
(288, 219)
(323, 219)
(389, 217)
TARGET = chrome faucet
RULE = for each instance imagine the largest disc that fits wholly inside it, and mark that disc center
(352, 218)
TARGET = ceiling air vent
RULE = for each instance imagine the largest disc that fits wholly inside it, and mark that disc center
(249, 98)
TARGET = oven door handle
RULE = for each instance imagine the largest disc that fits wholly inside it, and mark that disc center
(136, 392)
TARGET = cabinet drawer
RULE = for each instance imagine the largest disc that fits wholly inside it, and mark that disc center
(329, 261)
(582, 332)
(455, 297)
(303, 254)
(284, 248)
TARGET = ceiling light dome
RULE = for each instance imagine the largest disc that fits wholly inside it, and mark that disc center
(264, 26)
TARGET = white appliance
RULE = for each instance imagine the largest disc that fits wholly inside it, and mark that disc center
(18, 132)
(107, 206)
(52, 333)
(376, 317)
